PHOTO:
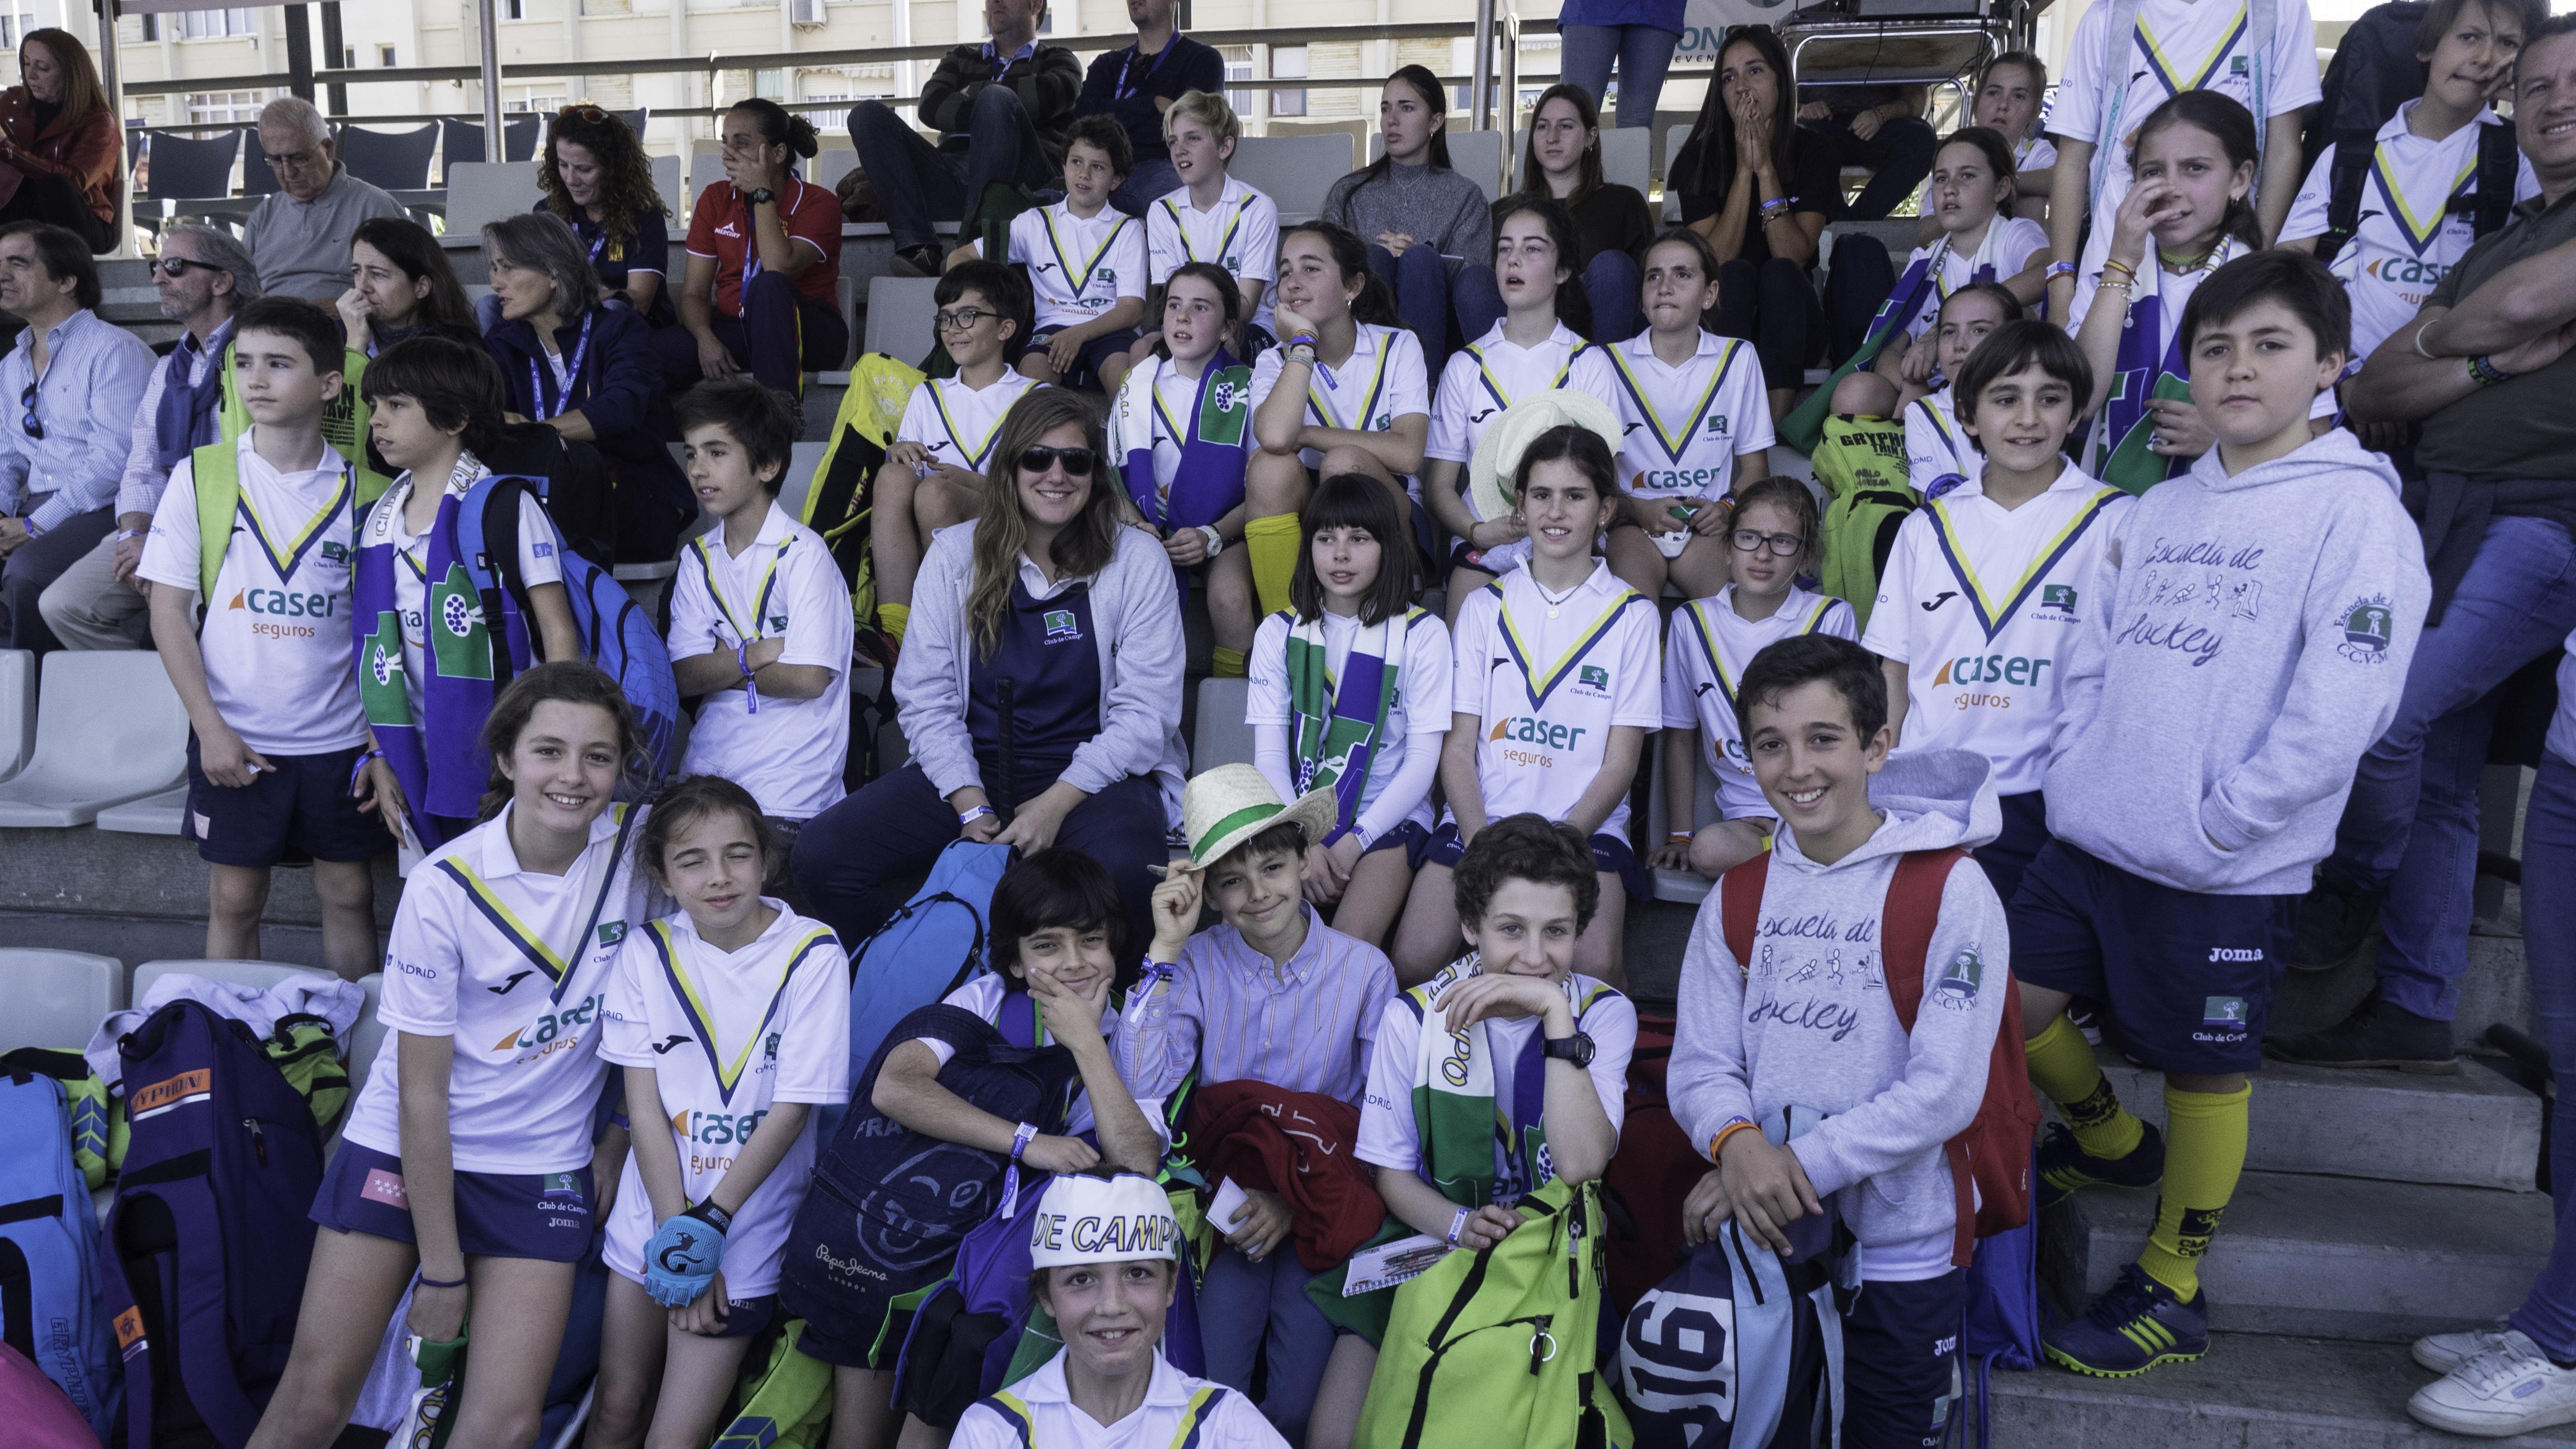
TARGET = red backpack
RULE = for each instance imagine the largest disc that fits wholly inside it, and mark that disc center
(1990, 1161)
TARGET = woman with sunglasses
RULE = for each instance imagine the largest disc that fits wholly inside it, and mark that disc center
(597, 178)
(1039, 685)
(59, 159)
(401, 287)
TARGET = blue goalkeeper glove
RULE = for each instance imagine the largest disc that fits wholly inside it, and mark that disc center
(683, 1257)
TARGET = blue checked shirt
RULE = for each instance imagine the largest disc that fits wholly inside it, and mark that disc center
(1232, 1014)
(92, 390)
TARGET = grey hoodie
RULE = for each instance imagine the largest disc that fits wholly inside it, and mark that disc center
(2253, 642)
(1811, 1024)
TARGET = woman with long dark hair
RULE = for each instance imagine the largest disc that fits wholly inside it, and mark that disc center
(401, 287)
(763, 289)
(1563, 160)
(597, 179)
(1423, 222)
(59, 157)
(1040, 686)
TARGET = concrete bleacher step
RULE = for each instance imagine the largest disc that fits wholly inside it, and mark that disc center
(2252, 1392)
(2477, 1129)
(2327, 1257)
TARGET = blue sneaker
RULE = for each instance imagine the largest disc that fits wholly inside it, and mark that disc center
(2064, 1165)
(2131, 1328)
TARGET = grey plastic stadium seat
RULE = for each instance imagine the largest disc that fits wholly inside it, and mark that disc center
(900, 310)
(393, 160)
(109, 728)
(487, 191)
(1685, 886)
(1476, 155)
(367, 1038)
(666, 180)
(1223, 736)
(1294, 171)
(188, 168)
(56, 998)
(1626, 156)
(160, 814)
(17, 709)
(802, 460)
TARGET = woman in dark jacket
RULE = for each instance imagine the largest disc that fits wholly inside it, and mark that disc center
(583, 366)
(58, 142)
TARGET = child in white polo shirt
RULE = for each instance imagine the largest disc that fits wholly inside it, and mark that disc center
(1557, 682)
(760, 620)
(1938, 457)
(1086, 262)
(1978, 603)
(1214, 217)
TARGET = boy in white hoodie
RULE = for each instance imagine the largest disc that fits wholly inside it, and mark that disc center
(2251, 638)
(1807, 1023)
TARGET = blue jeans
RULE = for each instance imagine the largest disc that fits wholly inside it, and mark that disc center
(2411, 826)
(918, 185)
(1644, 54)
(1244, 1305)
(1610, 284)
(2548, 1316)
(1421, 284)
(1152, 178)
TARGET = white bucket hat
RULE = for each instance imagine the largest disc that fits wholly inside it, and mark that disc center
(1498, 449)
(1088, 1219)
(1228, 805)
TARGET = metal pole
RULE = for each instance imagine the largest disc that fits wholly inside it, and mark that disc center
(1509, 102)
(299, 51)
(1483, 71)
(490, 12)
(334, 47)
(108, 78)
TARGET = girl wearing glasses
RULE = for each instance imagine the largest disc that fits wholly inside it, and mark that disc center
(1039, 685)
(59, 158)
(596, 178)
(1773, 537)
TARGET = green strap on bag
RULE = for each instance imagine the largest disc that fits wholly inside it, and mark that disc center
(1861, 464)
(305, 1052)
(97, 1120)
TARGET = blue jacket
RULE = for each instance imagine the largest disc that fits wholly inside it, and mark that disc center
(618, 389)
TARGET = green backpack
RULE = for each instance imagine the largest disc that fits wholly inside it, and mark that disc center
(301, 1047)
(782, 1398)
(1503, 1346)
(1861, 463)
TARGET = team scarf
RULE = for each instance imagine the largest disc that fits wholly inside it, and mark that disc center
(1985, 266)
(2149, 365)
(190, 413)
(438, 759)
(1336, 727)
(1207, 484)
(1457, 1118)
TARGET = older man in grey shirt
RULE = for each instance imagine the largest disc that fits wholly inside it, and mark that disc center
(300, 235)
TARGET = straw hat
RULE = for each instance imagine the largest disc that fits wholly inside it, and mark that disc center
(1230, 804)
(1498, 449)
(1088, 1219)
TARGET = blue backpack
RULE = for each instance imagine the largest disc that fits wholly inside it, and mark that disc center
(2003, 1320)
(49, 1302)
(929, 949)
(204, 1252)
(615, 633)
(1736, 1350)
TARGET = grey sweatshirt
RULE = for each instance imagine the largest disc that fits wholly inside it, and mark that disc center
(1810, 1024)
(1439, 209)
(2248, 640)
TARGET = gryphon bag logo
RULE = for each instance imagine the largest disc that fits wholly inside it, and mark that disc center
(2368, 626)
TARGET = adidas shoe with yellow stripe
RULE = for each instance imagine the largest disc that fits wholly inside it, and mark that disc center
(2065, 1166)
(2134, 1326)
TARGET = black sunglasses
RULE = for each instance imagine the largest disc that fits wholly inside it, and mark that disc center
(178, 266)
(1077, 461)
(35, 426)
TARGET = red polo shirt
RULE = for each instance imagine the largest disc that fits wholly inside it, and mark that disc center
(721, 228)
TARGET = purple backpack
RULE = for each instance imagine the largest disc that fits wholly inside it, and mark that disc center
(204, 1251)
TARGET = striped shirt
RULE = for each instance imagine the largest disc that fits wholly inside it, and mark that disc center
(1233, 1015)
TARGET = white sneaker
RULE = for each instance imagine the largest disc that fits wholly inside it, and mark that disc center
(2443, 1352)
(2507, 1390)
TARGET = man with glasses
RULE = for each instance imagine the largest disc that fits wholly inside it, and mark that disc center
(72, 386)
(1002, 109)
(203, 276)
(301, 234)
(1138, 84)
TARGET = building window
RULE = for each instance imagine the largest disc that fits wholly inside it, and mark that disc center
(518, 9)
(1243, 103)
(215, 24)
(1288, 63)
(14, 28)
(385, 57)
(221, 107)
(769, 84)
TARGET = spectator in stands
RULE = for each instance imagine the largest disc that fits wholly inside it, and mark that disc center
(301, 233)
(763, 290)
(1974, 237)
(1139, 84)
(204, 276)
(59, 147)
(1001, 108)
(2486, 371)
(1878, 127)
(1085, 261)
(1563, 160)
(1638, 34)
(1040, 685)
(1424, 224)
(596, 176)
(2009, 98)
(1345, 392)
(401, 287)
(275, 731)
(1181, 428)
(584, 366)
(1759, 188)
(1212, 217)
(75, 382)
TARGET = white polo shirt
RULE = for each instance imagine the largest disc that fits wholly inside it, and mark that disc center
(1240, 233)
(1228, 1419)
(276, 631)
(2177, 45)
(1705, 651)
(1383, 379)
(1078, 267)
(1416, 718)
(785, 586)
(2408, 237)
(513, 966)
(1939, 456)
(2007, 246)
(956, 423)
(1980, 604)
(1549, 683)
(1490, 374)
(1685, 426)
(728, 1035)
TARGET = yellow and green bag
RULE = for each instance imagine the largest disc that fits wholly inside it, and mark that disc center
(1861, 463)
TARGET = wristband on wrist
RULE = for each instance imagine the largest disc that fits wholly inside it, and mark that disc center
(750, 676)
(713, 1216)
(123, 534)
(2420, 349)
(618, 1121)
(969, 817)
(1021, 1137)
(1717, 1144)
(2485, 373)
(2110, 264)
(358, 771)
(34, 529)
(1679, 837)
(1457, 1225)
(2059, 269)
(428, 1282)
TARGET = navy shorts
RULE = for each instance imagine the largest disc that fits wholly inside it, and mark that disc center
(1086, 368)
(295, 814)
(2025, 829)
(745, 1317)
(1609, 854)
(2185, 979)
(545, 1216)
(1409, 837)
(1901, 1362)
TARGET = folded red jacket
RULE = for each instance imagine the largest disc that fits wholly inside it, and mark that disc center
(1298, 1145)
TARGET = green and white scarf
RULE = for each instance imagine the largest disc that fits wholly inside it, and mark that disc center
(1336, 727)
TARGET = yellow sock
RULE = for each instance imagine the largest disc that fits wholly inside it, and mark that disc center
(1272, 545)
(2204, 1153)
(1229, 663)
(892, 620)
(2062, 1066)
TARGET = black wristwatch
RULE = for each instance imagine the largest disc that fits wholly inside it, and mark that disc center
(1576, 1049)
(762, 197)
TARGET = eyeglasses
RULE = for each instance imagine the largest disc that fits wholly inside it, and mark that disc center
(1782, 545)
(961, 320)
(1077, 461)
(293, 160)
(178, 266)
(583, 111)
(35, 426)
